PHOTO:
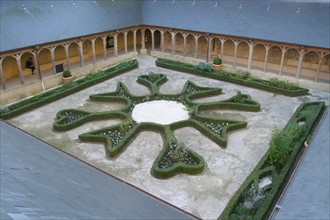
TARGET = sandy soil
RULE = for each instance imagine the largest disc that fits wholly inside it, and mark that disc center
(204, 195)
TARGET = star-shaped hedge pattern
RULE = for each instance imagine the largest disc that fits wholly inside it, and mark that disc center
(175, 157)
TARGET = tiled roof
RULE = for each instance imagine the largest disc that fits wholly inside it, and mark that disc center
(305, 23)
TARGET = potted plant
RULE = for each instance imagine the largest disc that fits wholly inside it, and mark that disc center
(67, 76)
(217, 63)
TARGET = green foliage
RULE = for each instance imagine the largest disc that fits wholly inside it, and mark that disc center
(284, 147)
(204, 67)
(67, 74)
(242, 78)
(282, 84)
(126, 125)
(217, 61)
(65, 90)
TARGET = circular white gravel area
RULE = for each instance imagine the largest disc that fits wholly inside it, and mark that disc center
(160, 112)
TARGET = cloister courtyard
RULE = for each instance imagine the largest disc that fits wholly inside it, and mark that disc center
(204, 195)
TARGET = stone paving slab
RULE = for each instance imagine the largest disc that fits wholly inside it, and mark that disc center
(307, 196)
(41, 182)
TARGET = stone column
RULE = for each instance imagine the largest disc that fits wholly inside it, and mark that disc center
(196, 45)
(267, 48)
(93, 49)
(115, 43)
(209, 43)
(104, 39)
(173, 42)
(152, 39)
(251, 45)
(300, 61)
(184, 43)
(125, 41)
(52, 54)
(134, 39)
(36, 61)
(67, 55)
(321, 56)
(3, 80)
(235, 52)
(284, 49)
(162, 40)
(81, 53)
(222, 45)
(19, 67)
(143, 49)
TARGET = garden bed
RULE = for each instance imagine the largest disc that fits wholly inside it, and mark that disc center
(242, 78)
(66, 89)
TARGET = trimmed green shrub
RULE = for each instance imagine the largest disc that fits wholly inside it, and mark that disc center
(65, 90)
(242, 78)
(284, 147)
(217, 61)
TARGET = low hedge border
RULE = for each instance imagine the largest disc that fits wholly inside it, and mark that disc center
(309, 112)
(244, 79)
(66, 89)
(117, 137)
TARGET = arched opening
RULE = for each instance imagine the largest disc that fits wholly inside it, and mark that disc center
(242, 55)
(87, 52)
(258, 56)
(99, 48)
(130, 41)
(228, 51)
(190, 45)
(274, 59)
(324, 74)
(74, 55)
(215, 48)
(45, 62)
(179, 43)
(202, 47)
(59, 55)
(121, 43)
(109, 45)
(167, 42)
(309, 66)
(291, 59)
(9, 67)
(138, 39)
(147, 38)
(157, 39)
(26, 71)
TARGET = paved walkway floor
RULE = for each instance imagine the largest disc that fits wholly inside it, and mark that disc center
(307, 195)
(41, 182)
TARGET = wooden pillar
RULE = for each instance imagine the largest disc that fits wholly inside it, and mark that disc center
(209, 43)
(222, 46)
(321, 56)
